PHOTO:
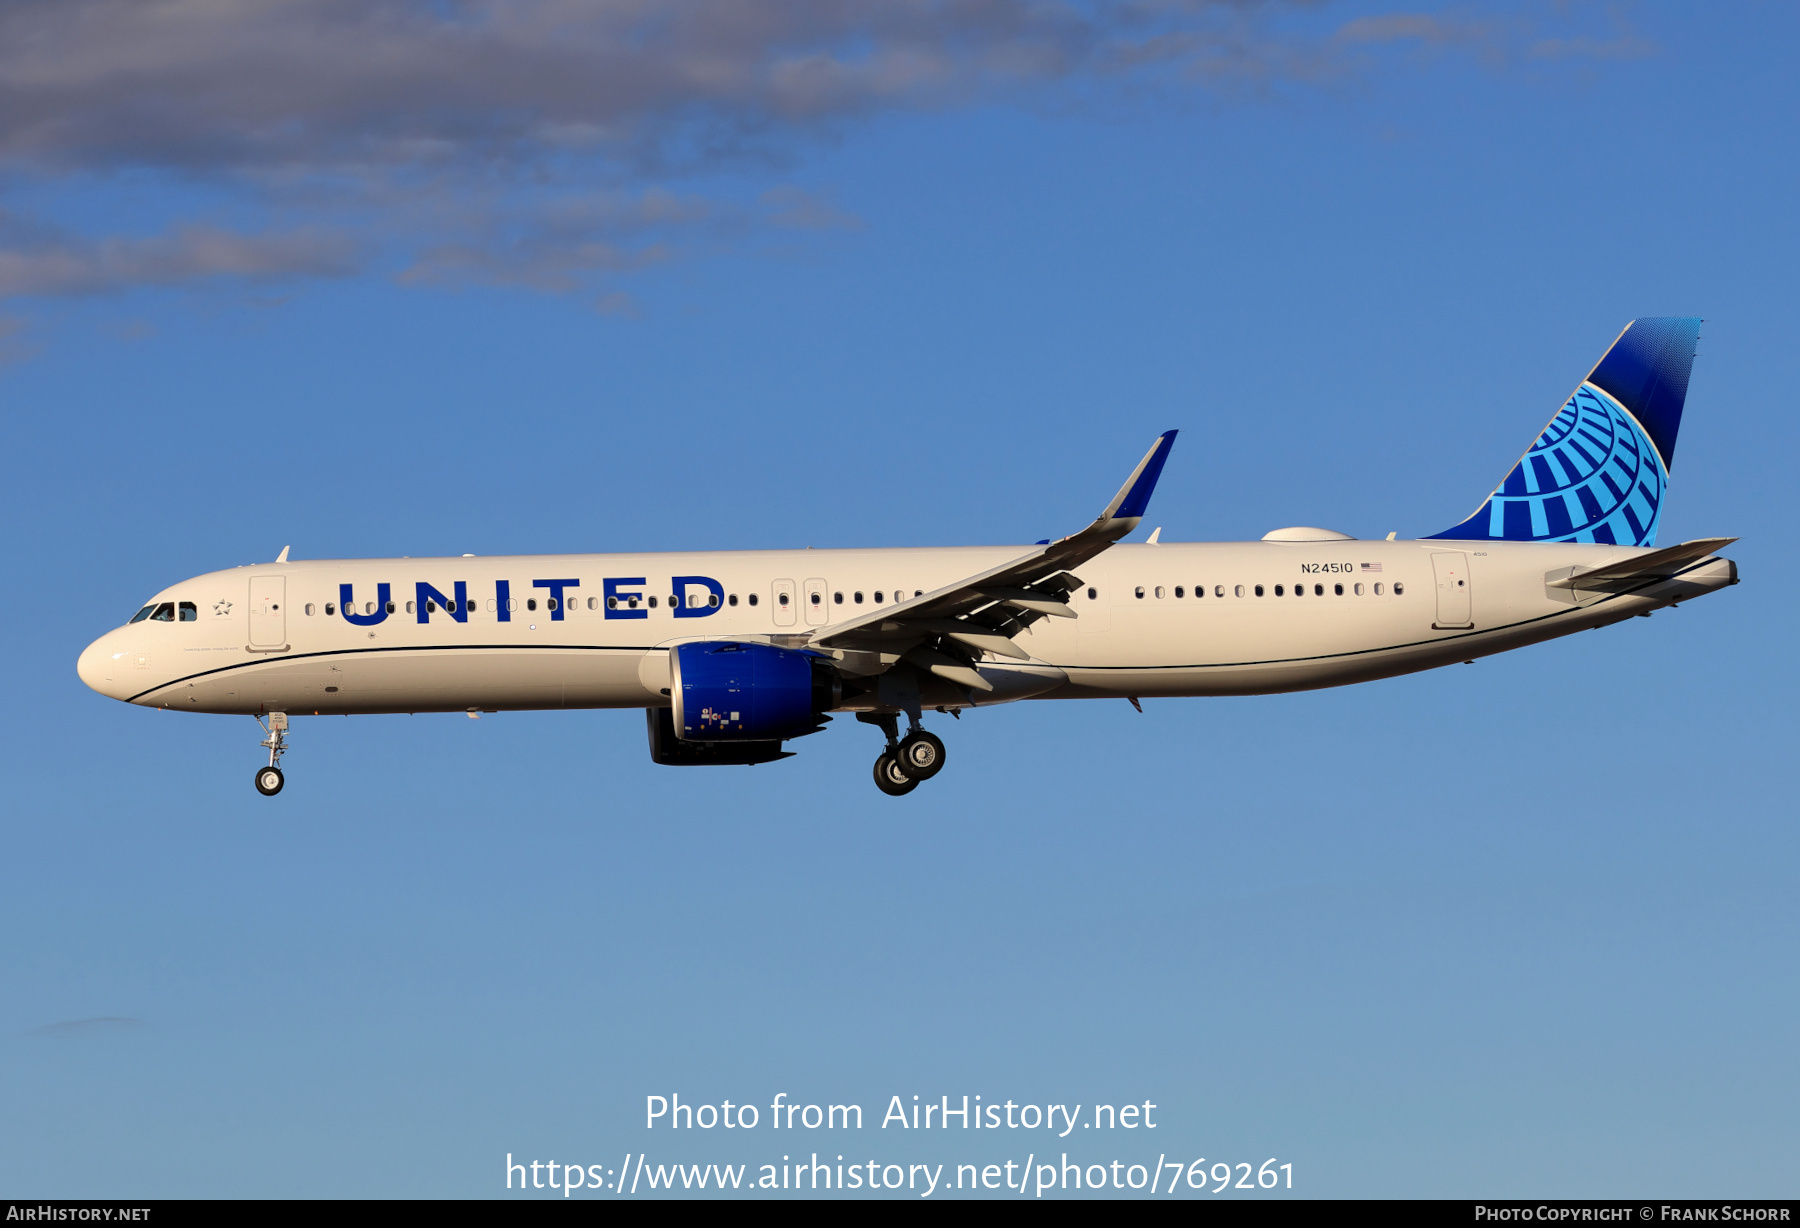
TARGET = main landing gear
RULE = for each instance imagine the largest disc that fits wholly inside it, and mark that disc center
(269, 779)
(908, 761)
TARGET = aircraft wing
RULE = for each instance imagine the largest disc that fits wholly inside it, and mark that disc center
(947, 630)
(1632, 572)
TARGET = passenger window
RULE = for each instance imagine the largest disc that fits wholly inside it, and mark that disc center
(838, 598)
(817, 599)
(712, 599)
(550, 603)
(189, 613)
(1278, 591)
(1240, 590)
(1378, 590)
(753, 599)
(918, 592)
(330, 608)
(512, 604)
(1319, 590)
(409, 607)
(856, 597)
(877, 596)
(1259, 591)
(782, 599)
(1092, 593)
(1358, 590)
(1401, 588)
(1179, 592)
(731, 600)
(1219, 591)
(165, 613)
(1159, 592)
(1338, 589)
(593, 603)
(390, 607)
(531, 603)
(1140, 592)
(309, 609)
(652, 603)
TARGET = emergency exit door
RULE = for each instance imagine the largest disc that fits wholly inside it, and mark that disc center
(814, 605)
(1451, 570)
(268, 617)
(783, 598)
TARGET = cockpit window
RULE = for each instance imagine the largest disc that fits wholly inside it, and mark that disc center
(142, 614)
(165, 613)
(189, 612)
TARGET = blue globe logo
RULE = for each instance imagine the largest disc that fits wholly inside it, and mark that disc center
(1592, 476)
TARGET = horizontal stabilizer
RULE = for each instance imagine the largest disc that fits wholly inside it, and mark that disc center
(1657, 565)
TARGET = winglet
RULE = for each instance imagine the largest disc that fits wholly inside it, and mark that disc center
(1134, 497)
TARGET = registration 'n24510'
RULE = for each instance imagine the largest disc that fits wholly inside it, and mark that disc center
(1326, 569)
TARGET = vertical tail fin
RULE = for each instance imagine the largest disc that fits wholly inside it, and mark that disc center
(1599, 471)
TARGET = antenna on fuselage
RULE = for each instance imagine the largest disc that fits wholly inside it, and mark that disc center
(282, 557)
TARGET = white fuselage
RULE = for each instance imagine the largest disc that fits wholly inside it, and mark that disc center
(261, 639)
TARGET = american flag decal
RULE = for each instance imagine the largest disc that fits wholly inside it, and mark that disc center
(1371, 566)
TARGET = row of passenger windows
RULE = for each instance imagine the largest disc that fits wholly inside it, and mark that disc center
(574, 603)
(185, 611)
(1281, 590)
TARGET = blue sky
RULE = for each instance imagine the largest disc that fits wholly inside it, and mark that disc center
(1523, 928)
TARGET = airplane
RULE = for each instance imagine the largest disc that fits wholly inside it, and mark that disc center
(734, 654)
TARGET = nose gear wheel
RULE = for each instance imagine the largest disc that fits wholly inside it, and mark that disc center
(269, 779)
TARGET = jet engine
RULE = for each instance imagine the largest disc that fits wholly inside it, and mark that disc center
(729, 691)
(667, 749)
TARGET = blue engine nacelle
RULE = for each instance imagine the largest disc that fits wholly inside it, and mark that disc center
(726, 691)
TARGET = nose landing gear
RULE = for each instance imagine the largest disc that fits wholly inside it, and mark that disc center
(908, 762)
(269, 779)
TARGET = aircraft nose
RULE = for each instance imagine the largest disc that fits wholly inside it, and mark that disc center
(99, 665)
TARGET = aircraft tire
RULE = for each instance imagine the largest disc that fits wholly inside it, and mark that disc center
(890, 779)
(269, 781)
(921, 755)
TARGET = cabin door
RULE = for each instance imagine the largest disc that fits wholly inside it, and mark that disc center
(1451, 570)
(268, 618)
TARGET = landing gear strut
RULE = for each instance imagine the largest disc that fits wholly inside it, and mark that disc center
(905, 763)
(269, 779)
